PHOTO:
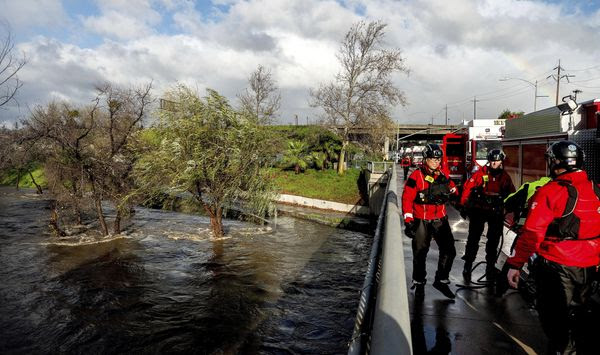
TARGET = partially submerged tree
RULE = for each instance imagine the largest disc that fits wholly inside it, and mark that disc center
(89, 155)
(363, 92)
(10, 65)
(120, 119)
(211, 151)
(262, 100)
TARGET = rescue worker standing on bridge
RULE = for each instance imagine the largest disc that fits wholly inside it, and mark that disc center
(563, 228)
(482, 200)
(424, 199)
(405, 163)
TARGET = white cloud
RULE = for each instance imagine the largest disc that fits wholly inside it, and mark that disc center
(23, 14)
(124, 19)
(454, 49)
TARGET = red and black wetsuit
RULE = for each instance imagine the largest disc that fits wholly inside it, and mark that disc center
(405, 163)
(568, 253)
(423, 205)
(483, 195)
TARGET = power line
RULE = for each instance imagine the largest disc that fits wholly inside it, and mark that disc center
(592, 67)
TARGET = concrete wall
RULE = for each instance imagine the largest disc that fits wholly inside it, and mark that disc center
(322, 204)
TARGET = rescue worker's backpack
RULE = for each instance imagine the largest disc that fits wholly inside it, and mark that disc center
(567, 227)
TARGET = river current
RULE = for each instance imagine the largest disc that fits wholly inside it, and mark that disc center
(163, 286)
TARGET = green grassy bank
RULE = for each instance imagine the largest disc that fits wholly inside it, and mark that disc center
(320, 184)
(10, 177)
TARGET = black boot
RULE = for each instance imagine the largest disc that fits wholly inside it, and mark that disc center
(467, 270)
(419, 288)
(490, 273)
(443, 287)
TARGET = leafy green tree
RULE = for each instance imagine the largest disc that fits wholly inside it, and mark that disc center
(211, 151)
(508, 114)
(296, 156)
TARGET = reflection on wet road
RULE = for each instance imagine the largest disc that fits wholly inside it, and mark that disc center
(477, 322)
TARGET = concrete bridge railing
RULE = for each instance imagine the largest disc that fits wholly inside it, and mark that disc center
(383, 318)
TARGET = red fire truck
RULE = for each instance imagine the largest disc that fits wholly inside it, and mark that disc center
(527, 138)
(465, 151)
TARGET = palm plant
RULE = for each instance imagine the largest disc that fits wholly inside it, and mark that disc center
(296, 156)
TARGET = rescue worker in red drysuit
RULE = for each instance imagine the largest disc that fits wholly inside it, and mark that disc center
(568, 246)
(482, 200)
(424, 199)
(405, 164)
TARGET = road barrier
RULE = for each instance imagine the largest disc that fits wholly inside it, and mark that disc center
(383, 320)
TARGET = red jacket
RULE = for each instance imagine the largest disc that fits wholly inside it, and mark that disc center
(500, 184)
(419, 181)
(549, 203)
(405, 162)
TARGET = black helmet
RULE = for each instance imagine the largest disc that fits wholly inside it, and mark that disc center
(565, 155)
(496, 155)
(433, 151)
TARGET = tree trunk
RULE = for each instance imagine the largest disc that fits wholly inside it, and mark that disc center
(53, 224)
(341, 158)
(18, 177)
(297, 169)
(117, 223)
(216, 220)
(38, 187)
(101, 219)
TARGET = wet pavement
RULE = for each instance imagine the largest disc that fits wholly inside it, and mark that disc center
(477, 321)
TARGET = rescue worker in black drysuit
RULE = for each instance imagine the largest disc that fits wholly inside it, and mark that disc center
(563, 228)
(482, 201)
(424, 199)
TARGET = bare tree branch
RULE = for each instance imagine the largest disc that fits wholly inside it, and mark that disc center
(262, 100)
(10, 65)
(363, 92)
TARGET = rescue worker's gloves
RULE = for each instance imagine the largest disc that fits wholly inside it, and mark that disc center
(409, 230)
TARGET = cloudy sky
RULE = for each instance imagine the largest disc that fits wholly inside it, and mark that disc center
(456, 50)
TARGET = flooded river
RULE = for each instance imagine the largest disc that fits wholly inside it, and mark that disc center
(164, 286)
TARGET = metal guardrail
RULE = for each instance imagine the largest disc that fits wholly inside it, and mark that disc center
(391, 324)
(379, 166)
(382, 320)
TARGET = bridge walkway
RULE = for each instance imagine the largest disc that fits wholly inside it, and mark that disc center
(477, 321)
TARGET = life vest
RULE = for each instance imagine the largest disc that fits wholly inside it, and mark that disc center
(578, 213)
(437, 192)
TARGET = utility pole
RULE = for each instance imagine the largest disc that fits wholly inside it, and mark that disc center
(557, 82)
(536, 97)
(557, 78)
(475, 101)
(296, 116)
(446, 114)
